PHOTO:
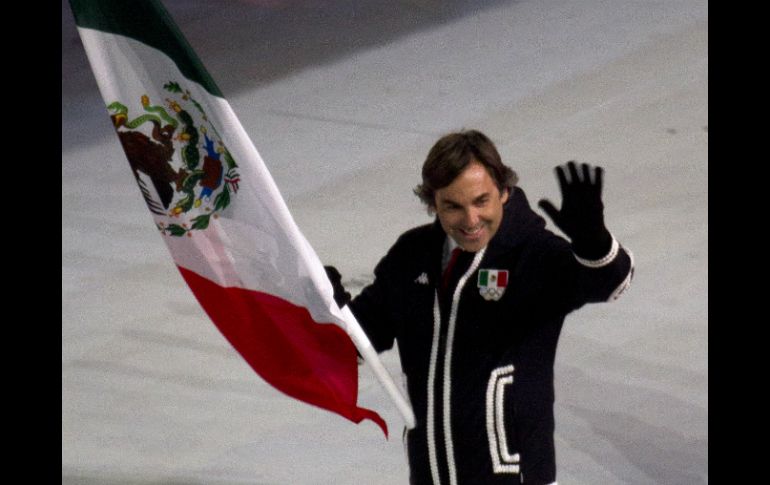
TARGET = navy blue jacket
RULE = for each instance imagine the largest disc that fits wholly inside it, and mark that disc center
(479, 371)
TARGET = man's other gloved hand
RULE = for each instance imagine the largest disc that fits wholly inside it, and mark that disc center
(341, 296)
(581, 216)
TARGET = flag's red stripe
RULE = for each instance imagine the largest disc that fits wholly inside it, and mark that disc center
(502, 279)
(304, 359)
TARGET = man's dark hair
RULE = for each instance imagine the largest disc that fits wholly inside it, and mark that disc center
(451, 154)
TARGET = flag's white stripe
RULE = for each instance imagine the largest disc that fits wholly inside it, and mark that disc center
(228, 252)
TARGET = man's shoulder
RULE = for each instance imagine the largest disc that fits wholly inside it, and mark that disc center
(416, 237)
(413, 245)
(523, 232)
(417, 234)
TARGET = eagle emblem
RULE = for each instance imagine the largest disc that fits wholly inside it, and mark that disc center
(183, 169)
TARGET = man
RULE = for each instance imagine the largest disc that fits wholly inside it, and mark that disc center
(476, 302)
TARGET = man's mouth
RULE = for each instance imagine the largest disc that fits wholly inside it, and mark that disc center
(472, 233)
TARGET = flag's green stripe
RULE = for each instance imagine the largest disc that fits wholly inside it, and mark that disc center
(483, 275)
(146, 21)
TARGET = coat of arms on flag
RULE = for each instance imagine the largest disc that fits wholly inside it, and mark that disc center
(492, 283)
(162, 146)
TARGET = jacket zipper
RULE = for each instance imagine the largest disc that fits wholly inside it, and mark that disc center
(447, 381)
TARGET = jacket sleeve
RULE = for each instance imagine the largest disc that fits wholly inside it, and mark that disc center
(575, 281)
(372, 306)
(614, 273)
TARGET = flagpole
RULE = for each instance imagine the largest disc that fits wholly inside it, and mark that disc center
(369, 354)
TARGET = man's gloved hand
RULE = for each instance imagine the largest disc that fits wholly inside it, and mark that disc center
(581, 216)
(341, 296)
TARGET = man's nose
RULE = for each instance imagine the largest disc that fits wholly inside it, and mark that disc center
(471, 218)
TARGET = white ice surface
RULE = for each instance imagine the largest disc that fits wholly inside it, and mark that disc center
(343, 100)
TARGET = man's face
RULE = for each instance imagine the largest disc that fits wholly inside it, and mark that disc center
(470, 209)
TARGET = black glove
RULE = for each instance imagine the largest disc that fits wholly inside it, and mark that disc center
(581, 216)
(341, 296)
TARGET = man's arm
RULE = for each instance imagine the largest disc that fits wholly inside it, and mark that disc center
(604, 268)
(370, 307)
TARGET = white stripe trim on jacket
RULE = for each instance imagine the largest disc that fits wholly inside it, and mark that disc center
(447, 388)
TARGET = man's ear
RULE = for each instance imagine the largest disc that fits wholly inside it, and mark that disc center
(432, 210)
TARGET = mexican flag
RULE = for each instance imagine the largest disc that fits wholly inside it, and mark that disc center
(219, 211)
(494, 278)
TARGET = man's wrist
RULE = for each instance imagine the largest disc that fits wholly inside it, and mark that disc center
(594, 262)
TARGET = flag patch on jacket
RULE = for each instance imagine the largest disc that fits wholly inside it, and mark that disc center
(492, 283)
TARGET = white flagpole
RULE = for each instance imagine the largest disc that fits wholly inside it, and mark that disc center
(370, 356)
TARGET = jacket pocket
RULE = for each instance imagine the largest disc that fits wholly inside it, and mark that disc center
(500, 384)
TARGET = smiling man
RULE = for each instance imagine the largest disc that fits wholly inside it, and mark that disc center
(476, 302)
(471, 207)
